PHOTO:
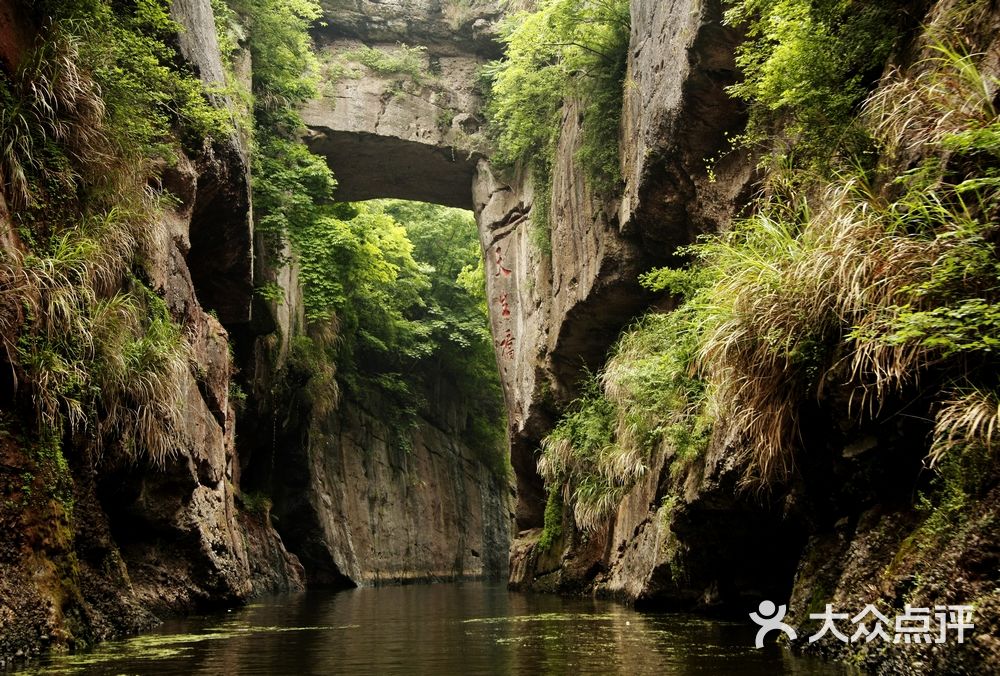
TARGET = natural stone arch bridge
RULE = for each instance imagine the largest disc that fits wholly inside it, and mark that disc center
(404, 122)
(398, 113)
(399, 116)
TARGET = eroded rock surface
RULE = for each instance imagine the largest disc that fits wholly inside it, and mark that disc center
(219, 250)
(407, 124)
(555, 313)
(448, 26)
(135, 540)
(368, 511)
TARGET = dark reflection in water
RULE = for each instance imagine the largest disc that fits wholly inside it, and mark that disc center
(469, 628)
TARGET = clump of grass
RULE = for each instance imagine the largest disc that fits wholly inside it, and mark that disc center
(858, 283)
(967, 419)
(256, 503)
(946, 104)
(575, 456)
(111, 365)
(658, 395)
(311, 367)
(48, 99)
(406, 61)
(649, 397)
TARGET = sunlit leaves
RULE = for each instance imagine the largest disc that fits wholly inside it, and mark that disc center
(807, 66)
(565, 49)
(284, 64)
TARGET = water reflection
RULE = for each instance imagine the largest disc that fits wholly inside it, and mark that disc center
(470, 628)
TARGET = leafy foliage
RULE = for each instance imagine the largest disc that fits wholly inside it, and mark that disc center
(807, 66)
(88, 114)
(648, 398)
(456, 348)
(565, 50)
(552, 523)
(284, 65)
(844, 287)
(131, 56)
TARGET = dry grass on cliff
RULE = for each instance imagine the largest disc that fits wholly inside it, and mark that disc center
(94, 357)
(49, 99)
(944, 100)
(968, 418)
(96, 349)
(868, 284)
(576, 458)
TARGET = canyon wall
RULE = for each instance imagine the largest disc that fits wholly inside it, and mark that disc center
(843, 530)
(361, 505)
(357, 499)
(555, 312)
(124, 542)
(105, 548)
(323, 489)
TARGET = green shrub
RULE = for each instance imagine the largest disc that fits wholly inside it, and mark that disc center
(565, 50)
(257, 504)
(87, 116)
(807, 66)
(552, 525)
(284, 64)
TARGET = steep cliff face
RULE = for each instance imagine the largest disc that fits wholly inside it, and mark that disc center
(553, 312)
(102, 546)
(192, 499)
(128, 541)
(358, 500)
(846, 528)
(360, 506)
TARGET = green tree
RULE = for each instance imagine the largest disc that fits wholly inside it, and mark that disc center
(565, 49)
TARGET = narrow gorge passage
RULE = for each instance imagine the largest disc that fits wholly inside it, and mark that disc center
(381, 454)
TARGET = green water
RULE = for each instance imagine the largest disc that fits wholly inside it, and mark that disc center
(470, 628)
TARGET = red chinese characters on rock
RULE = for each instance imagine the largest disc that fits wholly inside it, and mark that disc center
(501, 270)
(507, 345)
(504, 305)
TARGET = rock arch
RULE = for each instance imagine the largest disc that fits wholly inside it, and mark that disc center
(398, 111)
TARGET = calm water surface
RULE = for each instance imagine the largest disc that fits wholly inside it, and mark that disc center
(470, 628)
